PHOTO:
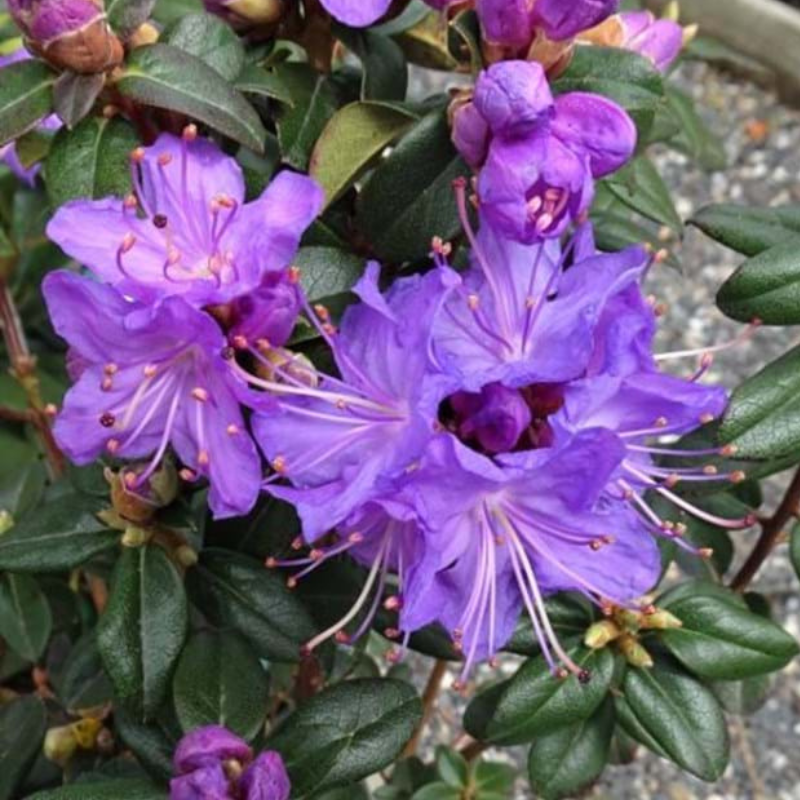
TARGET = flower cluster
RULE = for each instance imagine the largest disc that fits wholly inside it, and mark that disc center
(487, 437)
(211, 763)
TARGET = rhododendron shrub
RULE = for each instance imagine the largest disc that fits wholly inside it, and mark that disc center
(322, 397)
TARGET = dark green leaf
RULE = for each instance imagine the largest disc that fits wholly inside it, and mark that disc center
(25, 617)
(749, 231)
(425, 41)
(26, 95)
(409, 197)
(452, 767)
(615, 230)
(127, 788)
(263, 82)
(82, 683)
(695, 138)
(353, 138)
(438, 791)
(384, 70)
(22, 475)
(347, 732)
(534, 702)
(31, 148)
(74, 96)
(677, 717)
(566, 760)
(166, 77)
(238, 592)
(641, 188)
(23, 723)
(57, 536)
(327, 271)
(211, 40)
(625, 77)
(125, 16)
(492, 778)
(90, 161)
(143, 628)
(220, 681)
(763, 417)
(742, 697)
(569, 614)
(152, 746)
(465, 40)
(313, 103)
(722, 641)
(767, 287)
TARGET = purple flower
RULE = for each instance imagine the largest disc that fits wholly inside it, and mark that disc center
(509, 531)
(265, 779)
(205, 783)
(544, 154)
(152, 376)
(361, 13)
(335, 441)
(506, 22)
(207, 746)
(660, 40)
(8, 152)
(71, 34)
(563, 19)
(195, 236)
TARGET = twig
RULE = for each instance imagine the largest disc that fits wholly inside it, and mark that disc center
(23, 368)
(472, 750)
(771, 530)
(429, 698)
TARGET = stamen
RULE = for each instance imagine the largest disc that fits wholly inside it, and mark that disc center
(743, 337)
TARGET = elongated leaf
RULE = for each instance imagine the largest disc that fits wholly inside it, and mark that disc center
(695, 138)
(108, 789)
(263, 82)
(640, 187)
(166, 77)
(767, 287)
(569, 614)
(82, 683)
(383, 65)
(625, 77)
(240, 593)
(676, 717)
(74, 96)
(143, 628)
(313, 103)
(534, 702)
(327, 271)
(566, 760)
(749, 231)
(722, 641)
(23, 723)
(26, 96)
(763, 418)
(211, 40)
(409, 198)
(220, 681)
(351, 140)
(742, 697)
(125, 16)
(152, 746)
(25, 618)
(347, 732)
(57, 536)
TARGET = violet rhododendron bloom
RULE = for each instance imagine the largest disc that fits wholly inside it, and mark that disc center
(361, 13)
(152, 376)
(211, 763)
(542, 154)
(660, 40)
(187, 230)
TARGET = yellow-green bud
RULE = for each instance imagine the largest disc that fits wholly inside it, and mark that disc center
(661, 620)
(600, 634)
(634, 652)
(60, 744)
(6, 521)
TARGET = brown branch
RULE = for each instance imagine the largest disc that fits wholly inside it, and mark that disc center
(771, 531)
(429, 698)
(472, 750)
(23, 368)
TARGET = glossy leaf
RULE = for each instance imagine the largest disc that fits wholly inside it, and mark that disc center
(164, 76)
(239, 592)
(264, 83)
(149, 742)
(767, 287)
(640, 187)
(383, 65)
(25, 617)
(26, 96)
(566, 760)
(23, 722)
(353, 138)
(742, 697)
(327, 271)
(677, 717)
(534, 702)
(82, 683)
(749, 231)
(125, 16)
(347, 732)
(211, 40)
(74, 96)
(143, 628)
(59, 535)
(107, 789)
(220, 681)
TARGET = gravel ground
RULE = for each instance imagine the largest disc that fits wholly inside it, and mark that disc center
(762, 139)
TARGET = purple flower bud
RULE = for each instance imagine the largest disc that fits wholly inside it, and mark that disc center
(357, 13)
(660, 40)
(495, 419)
(513, 97)
(470, 133)
(70, 34)
(207, 747)
(269, 312)
(506, 22)
(562, 19)
(207, 783)
(265, 779)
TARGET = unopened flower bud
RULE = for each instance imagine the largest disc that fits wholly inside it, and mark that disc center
(128, 503)
(661, 620)
(244, 14)
(146, 33)
(85, 732)
(70, 34)
(60, 744)
(634, 652)
(186, 556)
(134, 537)
(164, 484)
(629, 620)
(470, 131)
(6, 521)
(601, 634)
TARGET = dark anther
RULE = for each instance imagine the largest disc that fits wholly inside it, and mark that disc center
(160, 221)
(584, 676)
(107, 420)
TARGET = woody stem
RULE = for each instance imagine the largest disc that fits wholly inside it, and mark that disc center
(429, 698)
